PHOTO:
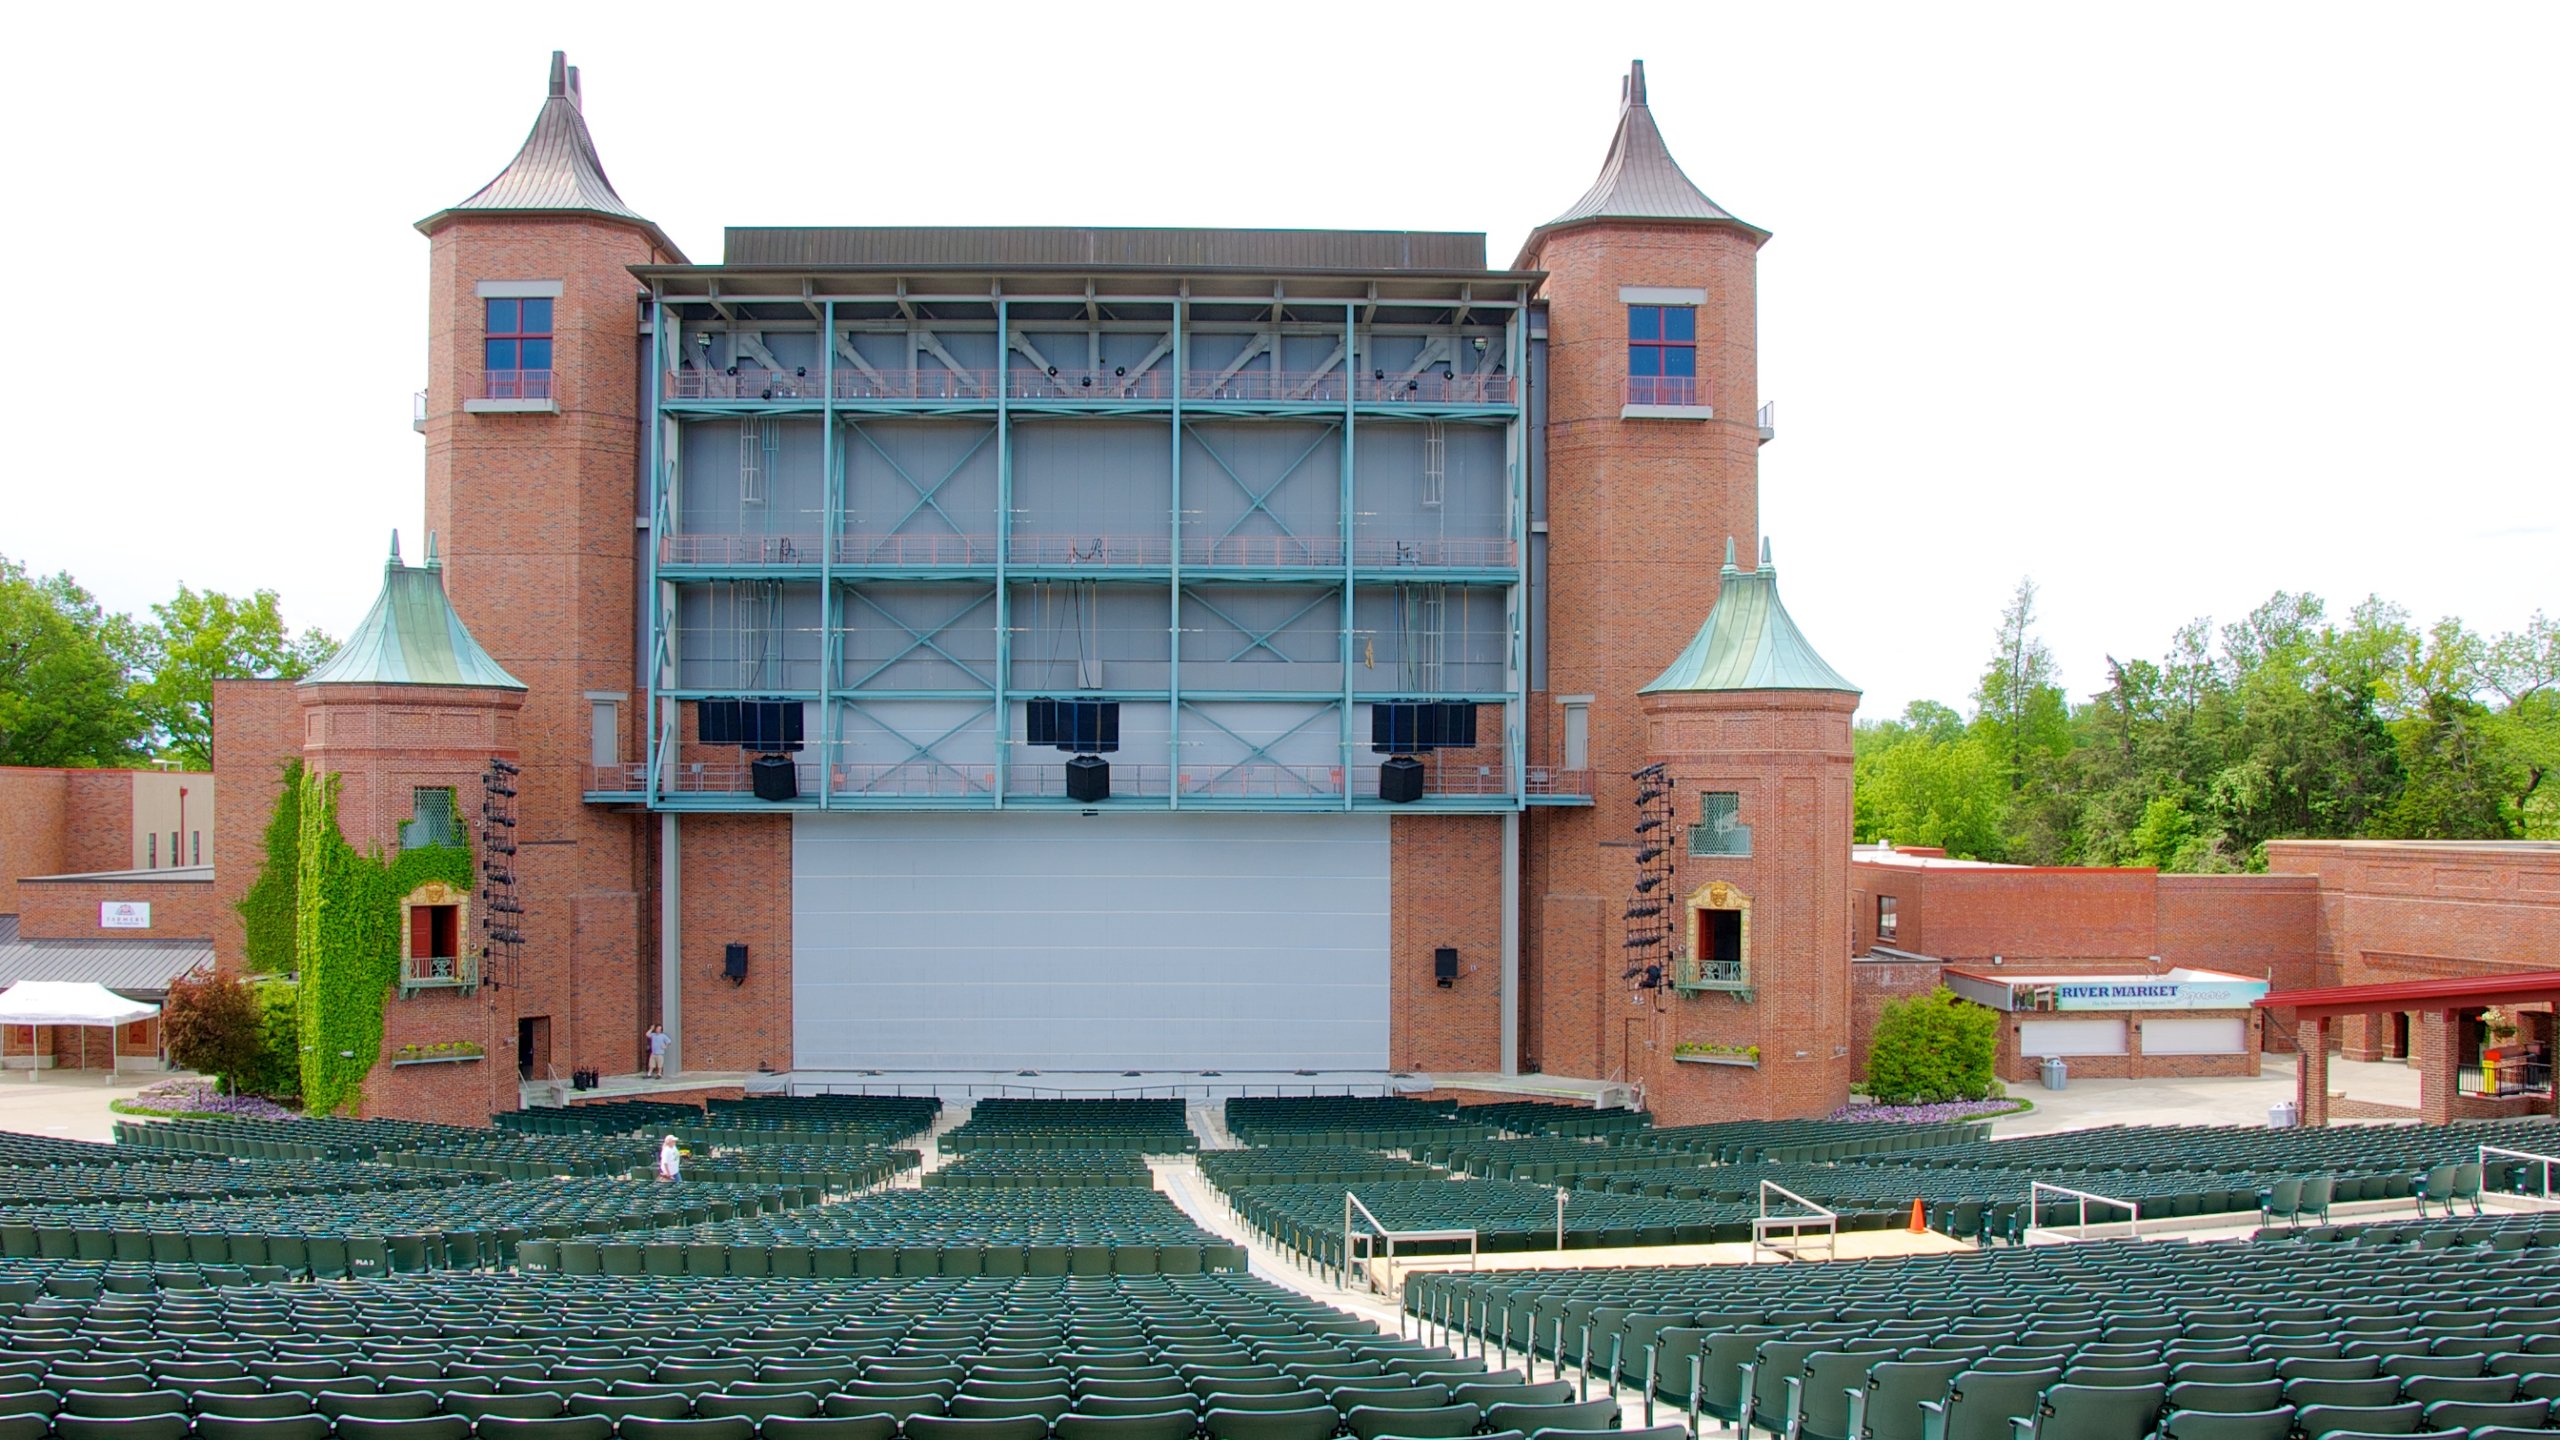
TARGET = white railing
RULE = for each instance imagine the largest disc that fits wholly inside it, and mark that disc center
(2133, 1226)
(1794, 1225)
(1366, 1242)
(2545, 1161)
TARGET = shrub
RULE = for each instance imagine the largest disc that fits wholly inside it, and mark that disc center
(211, 1025)
(1933, 1048)
(278, 1073)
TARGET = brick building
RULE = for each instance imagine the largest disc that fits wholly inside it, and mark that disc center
(106, 876)
(944, 652)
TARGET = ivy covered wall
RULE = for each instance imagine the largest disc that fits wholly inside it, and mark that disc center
(268, 913)
(347, 940)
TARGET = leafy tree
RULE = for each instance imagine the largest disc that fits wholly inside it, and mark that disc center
(1923, 790)
(63, 665)
(2457, 776)
(212, 1025)
(1932, 1048)
(2019, 708)
(203, 636)
(2522, 669)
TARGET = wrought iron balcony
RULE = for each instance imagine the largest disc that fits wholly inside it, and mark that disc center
(1685, 392)
(516, 385)
(439, 972)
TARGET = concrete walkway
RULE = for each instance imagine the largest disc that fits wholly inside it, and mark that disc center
(2088, 1103)
(68, 1104)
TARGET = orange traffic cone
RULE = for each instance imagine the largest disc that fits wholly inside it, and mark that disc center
(1919, 1223)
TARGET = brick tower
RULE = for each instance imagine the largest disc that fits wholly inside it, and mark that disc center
(1652, 462)
(1753, 730)
(533, 424)
(407, 715)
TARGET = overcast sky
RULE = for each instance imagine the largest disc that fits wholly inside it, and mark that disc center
(2168, 306)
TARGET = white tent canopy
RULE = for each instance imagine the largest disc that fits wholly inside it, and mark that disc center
(69, 1002)
(72, 1002)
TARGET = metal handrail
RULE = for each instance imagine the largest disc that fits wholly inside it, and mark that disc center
(1351, 1203)
(2132, 1229)
(2546, 1161)
(1824, 1216)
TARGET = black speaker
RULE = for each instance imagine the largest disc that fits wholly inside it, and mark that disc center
(733, 965)
(1456, 729)
(1444, 966)
(715, 722)
(1088, 779)
(776, 778)
(1400, 780)
(1040, 722)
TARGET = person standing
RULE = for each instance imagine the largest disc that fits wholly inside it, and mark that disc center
(657, 1039)
(670, 1160)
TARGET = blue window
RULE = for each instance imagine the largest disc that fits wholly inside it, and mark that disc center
(1662, 341)
(518, 335)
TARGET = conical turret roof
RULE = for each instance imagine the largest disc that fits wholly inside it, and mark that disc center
(556, 172)
(412, 637)
(1749, 641)
(1639, 180)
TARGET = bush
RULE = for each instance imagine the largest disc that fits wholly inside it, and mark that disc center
(1931, 1049)
(211, 1025)
(278, 1073)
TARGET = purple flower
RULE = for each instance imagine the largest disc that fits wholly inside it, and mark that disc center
(1923, 1114)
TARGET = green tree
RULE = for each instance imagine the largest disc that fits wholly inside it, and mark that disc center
(2522, 670)
(2019, 708)
(1932, 1048)
(1922, 790)
(63, 670)
(202, 636)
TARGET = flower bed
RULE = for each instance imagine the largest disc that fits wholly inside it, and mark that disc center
(195, 1099)
(1932, 1114)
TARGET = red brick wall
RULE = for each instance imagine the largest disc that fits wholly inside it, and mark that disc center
(32, 810)
(1786, 754)
(737, 890)
(1629, 579)
(257, 728)
(97, 821)
(535, 516)
(1874, 983)
(1447, 890)
(68, 909)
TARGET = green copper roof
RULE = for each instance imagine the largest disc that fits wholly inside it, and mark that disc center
(1748, 642)
(412, 637)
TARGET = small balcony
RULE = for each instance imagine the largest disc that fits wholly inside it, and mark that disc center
(514, 392)
(1666, 397)
(1069, 551)
(439, 972)
(1431, 552)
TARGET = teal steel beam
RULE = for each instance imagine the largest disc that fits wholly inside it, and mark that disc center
(1173, 595)
(925, 494)
(1342, 523)
(920, 640)
(831, 524)
(1263, 752)
(1004, 547)
(1261, 640)
(925, 751)
(657, 524)
(1257, 499)
(1516, 343)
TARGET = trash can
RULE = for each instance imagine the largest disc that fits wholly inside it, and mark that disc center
(2057, 1075)
(2284, 1115)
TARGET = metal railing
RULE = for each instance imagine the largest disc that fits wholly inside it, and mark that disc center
(1378, 1230)
(1062, 386)
(1484, 551)
(1765, 1224)
(807, 550)
(515, 385)
(418, 411)
(2036, 1188)
(1481, 775)
(1034, 385)
(2504, 1080)
(418, 972)
(1681, 390)
(975, 551)
(2545, 1161)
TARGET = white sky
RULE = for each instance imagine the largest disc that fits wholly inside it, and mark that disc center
(2169, 306)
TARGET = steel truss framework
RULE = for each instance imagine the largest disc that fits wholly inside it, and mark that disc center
(711, 358)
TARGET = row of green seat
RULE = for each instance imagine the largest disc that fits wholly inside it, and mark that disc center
(1553, 1118)
(1309, 1165)
(1733, 1142)
(744, 1257)
(1041, 1170)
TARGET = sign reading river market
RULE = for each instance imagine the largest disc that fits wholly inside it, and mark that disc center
(2159, 994)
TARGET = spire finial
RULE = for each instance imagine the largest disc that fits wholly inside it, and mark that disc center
(577, 96)
(432, 562)
(1635, 82)
(559, 74)
(1729, 567)
(394, 562)
(1764, 550)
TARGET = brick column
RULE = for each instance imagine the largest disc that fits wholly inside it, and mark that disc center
(2311, 1080)
(2432, 1038)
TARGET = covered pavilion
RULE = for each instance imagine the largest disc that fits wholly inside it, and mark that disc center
(2445, 1042)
